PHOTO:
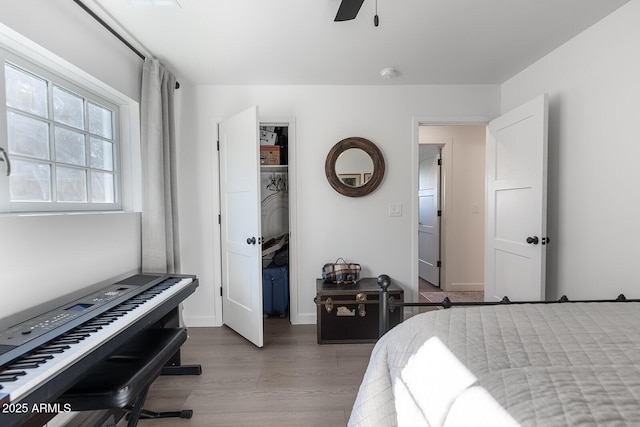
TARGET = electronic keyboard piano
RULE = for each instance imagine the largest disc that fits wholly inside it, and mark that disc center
(44, 356)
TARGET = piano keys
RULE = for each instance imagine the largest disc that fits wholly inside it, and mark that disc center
(44, 356)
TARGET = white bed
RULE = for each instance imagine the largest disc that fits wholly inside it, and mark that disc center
(569, 364)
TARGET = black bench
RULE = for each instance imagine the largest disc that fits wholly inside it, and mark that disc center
(123, 380)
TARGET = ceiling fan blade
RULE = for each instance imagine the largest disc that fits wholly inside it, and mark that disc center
(348, 10)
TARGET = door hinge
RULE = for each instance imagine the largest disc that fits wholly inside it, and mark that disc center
(220, 290)
(439, 162)
(438, 264)
(439, 212)
(218, 145)
(219, 219)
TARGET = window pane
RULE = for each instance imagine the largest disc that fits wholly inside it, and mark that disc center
(27, 136)
(30, 181)
(71, 184)
(102, 187)
(25, 92)
(70, 147)
(62, 137)
(100, 121)
(101, 154)
(67, 108)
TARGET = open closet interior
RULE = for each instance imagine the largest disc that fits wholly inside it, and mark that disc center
(274, 180)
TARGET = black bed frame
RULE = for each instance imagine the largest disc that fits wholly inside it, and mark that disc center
(387, 304)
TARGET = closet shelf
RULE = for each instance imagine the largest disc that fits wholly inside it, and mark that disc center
(274, 167)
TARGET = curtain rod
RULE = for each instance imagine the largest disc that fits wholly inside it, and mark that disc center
(114, 32)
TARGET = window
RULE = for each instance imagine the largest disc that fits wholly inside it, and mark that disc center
(62, 142)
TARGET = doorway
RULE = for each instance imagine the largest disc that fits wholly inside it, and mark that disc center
(429, 213)
(453, 240)
(250, 158)
(512, 254)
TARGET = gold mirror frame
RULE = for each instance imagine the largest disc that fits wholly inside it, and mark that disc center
(378, 167)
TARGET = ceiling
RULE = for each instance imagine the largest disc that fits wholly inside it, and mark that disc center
(297, 42)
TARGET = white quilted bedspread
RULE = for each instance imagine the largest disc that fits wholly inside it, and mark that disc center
(570, 364)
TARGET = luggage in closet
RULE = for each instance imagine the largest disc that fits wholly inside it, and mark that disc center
(275, 291)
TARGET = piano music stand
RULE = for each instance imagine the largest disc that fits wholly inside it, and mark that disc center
(125, 377)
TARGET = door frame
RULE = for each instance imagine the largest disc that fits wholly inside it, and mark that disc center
(289, 121)
(292, 186)
(418, 121)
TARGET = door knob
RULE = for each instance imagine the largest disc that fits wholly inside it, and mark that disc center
(533, 240)
(251, 241)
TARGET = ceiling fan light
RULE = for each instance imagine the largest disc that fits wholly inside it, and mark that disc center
(388, 73)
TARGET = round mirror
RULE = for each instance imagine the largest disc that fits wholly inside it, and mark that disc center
(354, 167)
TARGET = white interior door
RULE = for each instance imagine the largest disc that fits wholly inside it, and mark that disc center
(428, 221)
(240, 225)
(517, 203)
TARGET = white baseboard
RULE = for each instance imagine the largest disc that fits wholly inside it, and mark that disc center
(210, 321)
(200, 321)
(304, 319)
(458, 287)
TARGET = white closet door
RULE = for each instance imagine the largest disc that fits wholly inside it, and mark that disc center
(240, 225)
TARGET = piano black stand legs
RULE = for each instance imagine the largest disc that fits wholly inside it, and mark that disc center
(137, 411)
(174, 365)
(146, 414)
(182, 370)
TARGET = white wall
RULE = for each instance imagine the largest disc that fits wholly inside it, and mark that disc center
(44, 257)
(329, 225)
(464, 205)
(63, 28)
(593, 83)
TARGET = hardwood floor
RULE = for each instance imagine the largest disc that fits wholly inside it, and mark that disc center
(424, 286)
(291, 381)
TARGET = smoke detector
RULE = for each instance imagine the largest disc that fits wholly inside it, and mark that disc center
(388, 73)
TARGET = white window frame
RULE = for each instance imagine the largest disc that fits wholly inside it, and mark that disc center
(20, 51)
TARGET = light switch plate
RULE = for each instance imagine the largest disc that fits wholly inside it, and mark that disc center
(395, 209)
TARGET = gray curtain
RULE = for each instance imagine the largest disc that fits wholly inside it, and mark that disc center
(160, 243)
